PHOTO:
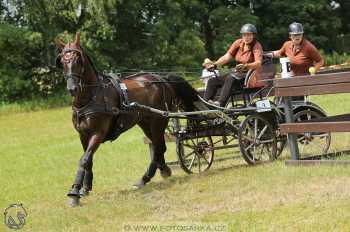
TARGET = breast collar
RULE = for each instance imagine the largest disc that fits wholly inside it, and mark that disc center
(94, 107)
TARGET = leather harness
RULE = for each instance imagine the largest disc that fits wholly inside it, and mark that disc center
(93, 106)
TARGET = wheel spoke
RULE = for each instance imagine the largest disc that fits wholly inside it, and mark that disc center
(316, 145)
(199, 163)
(301, 138)
(262, 131)
(268, 148)
(261, 151)
(206, 160)
(194, 144)
(321, 136)
(245, 137)
(189, 154)
(266, 141)
(255, 128)
(312, 143)
(308, 115)
(189, 146)
(303, 146)
(190, 167)
(247, 148)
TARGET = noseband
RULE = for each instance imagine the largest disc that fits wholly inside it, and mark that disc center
(77, 77)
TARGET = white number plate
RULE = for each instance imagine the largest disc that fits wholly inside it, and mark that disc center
(263, 105)
(123, 86)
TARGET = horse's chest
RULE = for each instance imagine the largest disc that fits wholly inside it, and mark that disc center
(83, 124)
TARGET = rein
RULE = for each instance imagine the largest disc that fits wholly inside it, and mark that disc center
(93, 107)
(95, 104)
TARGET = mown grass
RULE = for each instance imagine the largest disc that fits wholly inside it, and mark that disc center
(58, 99)
(39, 154)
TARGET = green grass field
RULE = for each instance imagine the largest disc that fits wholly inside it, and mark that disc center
(39, 153)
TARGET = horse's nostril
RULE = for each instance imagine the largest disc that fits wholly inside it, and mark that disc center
(72, 92)
(72, 88)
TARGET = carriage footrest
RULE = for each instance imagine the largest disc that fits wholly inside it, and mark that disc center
(219, 131)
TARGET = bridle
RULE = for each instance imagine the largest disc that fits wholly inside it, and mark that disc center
(76, 77)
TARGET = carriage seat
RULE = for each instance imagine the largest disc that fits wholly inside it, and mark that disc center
(258, 78)
(256, 81)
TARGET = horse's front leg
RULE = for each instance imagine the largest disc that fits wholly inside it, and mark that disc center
(85, 164)
(88, 178)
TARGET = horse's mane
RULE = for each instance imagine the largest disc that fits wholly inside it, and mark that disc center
(90, 61)
(187, 94)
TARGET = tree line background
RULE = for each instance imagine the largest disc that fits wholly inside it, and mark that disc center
(157, 35)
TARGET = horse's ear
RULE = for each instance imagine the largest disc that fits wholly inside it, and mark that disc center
(77, 39)
(59, 44)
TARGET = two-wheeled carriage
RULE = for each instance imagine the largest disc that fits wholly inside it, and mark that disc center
(251, 119)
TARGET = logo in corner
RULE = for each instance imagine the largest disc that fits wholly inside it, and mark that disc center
(15, 216)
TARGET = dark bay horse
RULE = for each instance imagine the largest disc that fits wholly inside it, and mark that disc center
(101, 111)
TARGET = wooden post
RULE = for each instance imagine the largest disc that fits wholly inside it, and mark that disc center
(292, 140)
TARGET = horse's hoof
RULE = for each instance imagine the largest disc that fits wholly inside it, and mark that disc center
(139, 184)
(166, 172)
(84, 192)
(73, 192)
(74, 201)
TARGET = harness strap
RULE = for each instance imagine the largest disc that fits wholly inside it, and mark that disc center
(93, 107)
(122, 89)
(165, 81)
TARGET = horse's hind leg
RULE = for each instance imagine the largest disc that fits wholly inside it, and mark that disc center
(155, 132)
(160, 149)
(150, 172)
(152, 168)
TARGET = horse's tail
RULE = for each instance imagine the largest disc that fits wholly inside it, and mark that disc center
(184, 91)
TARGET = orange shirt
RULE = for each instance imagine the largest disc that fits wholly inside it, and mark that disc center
(303, 58)
(244, 54)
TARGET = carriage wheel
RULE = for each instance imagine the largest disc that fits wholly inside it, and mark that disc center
(173, 126)
(312, 143)
(195, 155)
(281, 143)
(257, 140)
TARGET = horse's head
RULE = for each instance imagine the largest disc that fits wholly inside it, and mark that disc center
(71, 59)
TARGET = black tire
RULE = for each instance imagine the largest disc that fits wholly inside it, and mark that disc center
(254, 136)
(195, 155)
(312, 143)
(281, 143)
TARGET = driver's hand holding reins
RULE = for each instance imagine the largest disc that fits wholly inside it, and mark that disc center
(209, 64)
(241, 68)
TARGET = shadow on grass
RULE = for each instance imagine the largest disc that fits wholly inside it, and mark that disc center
(168, 183)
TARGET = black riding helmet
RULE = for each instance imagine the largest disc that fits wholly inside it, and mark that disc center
(296, 28)
(248, 28)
